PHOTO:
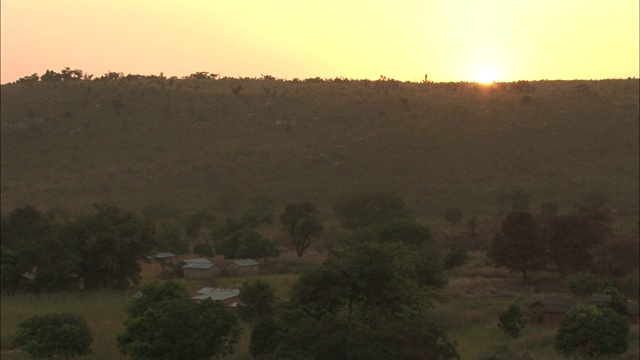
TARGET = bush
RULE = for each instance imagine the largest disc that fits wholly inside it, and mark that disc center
(591, 332)
(582, 284)
(457, 255)
(512, 321)
(49, 335)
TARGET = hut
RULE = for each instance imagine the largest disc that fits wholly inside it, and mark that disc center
(243, 267)
(229, 297)
(159, 261)
(199, 268)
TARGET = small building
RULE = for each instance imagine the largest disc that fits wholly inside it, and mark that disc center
(199, 268)
(552, 311)
(229, 297)
(243, 267)
(159, 261)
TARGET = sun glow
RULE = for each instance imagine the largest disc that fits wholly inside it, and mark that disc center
(485, 77)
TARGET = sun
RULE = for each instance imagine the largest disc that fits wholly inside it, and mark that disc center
(485, 77)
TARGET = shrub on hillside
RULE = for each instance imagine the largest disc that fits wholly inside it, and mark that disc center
(512, 321)
(590, 332)
(582, 284)
(457, 255)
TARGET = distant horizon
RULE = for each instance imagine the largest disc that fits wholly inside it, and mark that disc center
(221, 76)
(451, 41)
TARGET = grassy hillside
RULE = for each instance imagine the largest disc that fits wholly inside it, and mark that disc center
(191, 143)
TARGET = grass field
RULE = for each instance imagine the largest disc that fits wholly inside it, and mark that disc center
(438, 145)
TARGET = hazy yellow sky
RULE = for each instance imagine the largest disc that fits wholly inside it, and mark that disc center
(450, 40)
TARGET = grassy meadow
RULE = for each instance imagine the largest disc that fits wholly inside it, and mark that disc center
(194, 144)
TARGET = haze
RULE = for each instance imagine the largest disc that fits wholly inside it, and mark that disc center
(457, 40)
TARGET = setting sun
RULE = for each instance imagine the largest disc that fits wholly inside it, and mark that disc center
(485, 77)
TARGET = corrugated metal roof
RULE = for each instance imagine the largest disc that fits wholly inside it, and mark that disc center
(199, 263)
(216, 294)
(245, 262)
(162, 255)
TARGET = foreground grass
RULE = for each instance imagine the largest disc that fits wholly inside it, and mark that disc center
(103, 310)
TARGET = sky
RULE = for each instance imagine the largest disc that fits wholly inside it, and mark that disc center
(447, 40)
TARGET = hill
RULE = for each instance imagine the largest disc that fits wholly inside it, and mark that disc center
(195, 143)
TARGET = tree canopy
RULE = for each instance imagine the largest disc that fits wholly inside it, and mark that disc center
(164, 323)
(517, 246)
(589, 332)
(54, 335)
(301, 224)
(365, 301)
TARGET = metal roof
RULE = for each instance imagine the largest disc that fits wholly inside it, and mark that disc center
(245, 262)
(216, 294)
(200, 263)
(162, 255)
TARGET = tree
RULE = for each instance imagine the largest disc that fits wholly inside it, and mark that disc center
(518, 247)
(201, 75)
(196, 221)
(257, 301)
(111, 242)
(259, 211)
(364, 302)
(457, 255)
(512, 321)
(571, 237)
(26, 237)
(406, 231)
(253, 245)
(245, 244)
(204, 249)
(68, 74)
(617, 257)
(364, 209)
(163, 323)
(54, 335)
(29, 78)
(264, 337)
(51, 76)
(587, 331)
(170, 238)
(582, 284)
(301, 224)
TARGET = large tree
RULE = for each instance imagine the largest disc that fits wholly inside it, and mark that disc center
(571, 237)
(518, 246)
(364, 302)
(245, 244)
(111, 242)
(257, 301)
(163, 323)
(301, 224)
(590, 332)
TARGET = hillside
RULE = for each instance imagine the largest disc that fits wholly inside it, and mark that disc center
(191, 143)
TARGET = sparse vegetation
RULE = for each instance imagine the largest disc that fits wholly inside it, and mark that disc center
(388, 157)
